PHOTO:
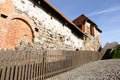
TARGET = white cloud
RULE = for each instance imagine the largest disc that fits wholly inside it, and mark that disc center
(113, 9)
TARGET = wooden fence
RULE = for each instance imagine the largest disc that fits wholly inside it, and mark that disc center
(35, 64)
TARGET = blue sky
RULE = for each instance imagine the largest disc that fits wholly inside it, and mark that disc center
(105, 13)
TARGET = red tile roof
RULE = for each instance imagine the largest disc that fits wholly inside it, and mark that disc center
(81, 19)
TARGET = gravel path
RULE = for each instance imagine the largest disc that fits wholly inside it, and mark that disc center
(98, 70)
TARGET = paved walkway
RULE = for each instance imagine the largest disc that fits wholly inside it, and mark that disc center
(98, 70)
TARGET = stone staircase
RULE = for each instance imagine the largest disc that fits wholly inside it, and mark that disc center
(107, 50)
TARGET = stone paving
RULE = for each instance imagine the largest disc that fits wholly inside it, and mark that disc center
(98, 70)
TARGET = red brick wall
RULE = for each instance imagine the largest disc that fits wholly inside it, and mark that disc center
(17, 31)
(14, 28)
(7, 7)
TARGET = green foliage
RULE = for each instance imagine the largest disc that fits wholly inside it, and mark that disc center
(116, 54)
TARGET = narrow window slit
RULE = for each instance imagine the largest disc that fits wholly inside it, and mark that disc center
(3, 16)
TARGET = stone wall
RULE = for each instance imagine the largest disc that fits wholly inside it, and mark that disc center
(92, 42)
(48, 31)
(25, 23)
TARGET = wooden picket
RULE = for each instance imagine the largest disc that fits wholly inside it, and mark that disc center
(38, 64)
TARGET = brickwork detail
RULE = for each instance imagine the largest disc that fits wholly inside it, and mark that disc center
(6, 7)
(15, 29)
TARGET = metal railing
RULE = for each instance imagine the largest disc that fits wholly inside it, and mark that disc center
(35, 64)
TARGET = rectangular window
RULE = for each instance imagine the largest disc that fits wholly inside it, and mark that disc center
(92, 30)
(83, 27)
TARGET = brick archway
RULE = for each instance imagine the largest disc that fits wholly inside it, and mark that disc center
(18, 28)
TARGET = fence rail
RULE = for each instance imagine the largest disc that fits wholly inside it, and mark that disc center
(38, 64)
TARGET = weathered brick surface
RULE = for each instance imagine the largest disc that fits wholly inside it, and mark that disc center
(6, 7)
(15, 28)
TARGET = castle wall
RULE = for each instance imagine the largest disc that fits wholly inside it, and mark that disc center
(49, 32)
(92, 42)
(26, 23)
